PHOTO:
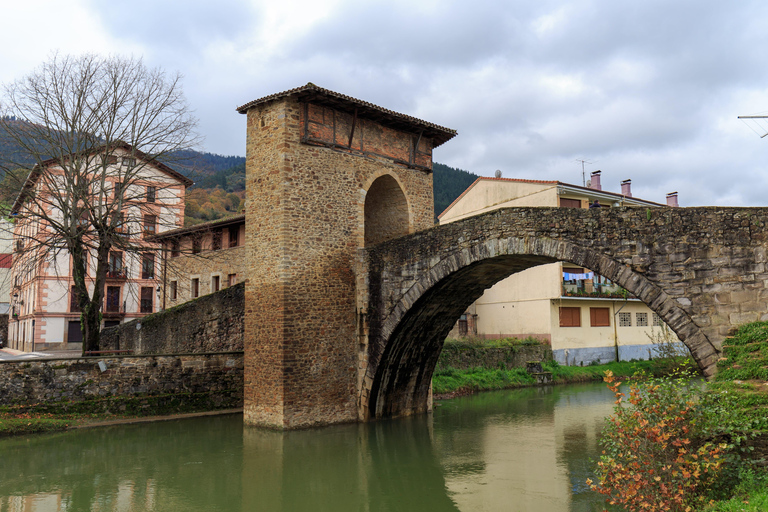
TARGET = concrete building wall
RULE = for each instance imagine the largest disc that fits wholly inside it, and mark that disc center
(486, 195)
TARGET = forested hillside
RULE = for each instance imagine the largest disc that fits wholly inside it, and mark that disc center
(448, 184)
(216, 195)
(219, 188)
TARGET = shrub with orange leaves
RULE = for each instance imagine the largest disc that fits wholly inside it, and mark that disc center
(654, 458)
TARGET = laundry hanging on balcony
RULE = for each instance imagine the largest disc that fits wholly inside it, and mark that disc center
(577, 277)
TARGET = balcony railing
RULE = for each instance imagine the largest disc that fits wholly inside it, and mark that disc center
(119, 274)
(113, 310)
(594, 287)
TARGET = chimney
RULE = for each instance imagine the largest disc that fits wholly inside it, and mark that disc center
(672, 200)
(626, 188)
(594, 181)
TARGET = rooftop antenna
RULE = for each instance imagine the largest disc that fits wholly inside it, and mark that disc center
(583, 171)
(756, 118)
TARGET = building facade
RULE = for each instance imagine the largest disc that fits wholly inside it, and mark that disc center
(201, 259)
(44, 313)
(582, 315)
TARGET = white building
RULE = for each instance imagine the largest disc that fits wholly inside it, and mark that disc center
(44, 314)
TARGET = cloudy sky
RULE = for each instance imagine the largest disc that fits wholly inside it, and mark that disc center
(646, 90)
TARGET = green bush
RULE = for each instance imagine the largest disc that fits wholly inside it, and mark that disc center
(656, 454)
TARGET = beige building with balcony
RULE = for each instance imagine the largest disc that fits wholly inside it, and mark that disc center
(582, 315)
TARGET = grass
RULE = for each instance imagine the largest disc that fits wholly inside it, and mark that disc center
(453, 381)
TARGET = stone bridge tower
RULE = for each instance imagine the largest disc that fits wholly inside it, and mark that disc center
(326, 175)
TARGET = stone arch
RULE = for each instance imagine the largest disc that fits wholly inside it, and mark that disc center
(386, 212)
(404, 352)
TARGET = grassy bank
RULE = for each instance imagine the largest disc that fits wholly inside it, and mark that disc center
(449, 381)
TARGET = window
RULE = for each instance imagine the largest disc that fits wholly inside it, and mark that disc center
(570, 317)
(146, 299)
(600, 317)
(231, 279)
(216, 243)
(570, 203)
(215, 283)
(233, 234)
(150, 224)
(74, 306)
(195, 288)
(129, 162)
(625, 319)
(110, 159)
(151, 194)
(115, 268)
(84, 222)
(175, 249)
(657, 320)
(118, 221)
(19, 245)
(642, 319)
(148, 266)
(118, 189)
(113, 299)
(173, 290)
(196, 245)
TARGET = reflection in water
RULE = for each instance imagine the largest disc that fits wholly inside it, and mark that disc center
(525, 450)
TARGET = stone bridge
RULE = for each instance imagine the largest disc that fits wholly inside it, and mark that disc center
(703, 270)
(351, 289)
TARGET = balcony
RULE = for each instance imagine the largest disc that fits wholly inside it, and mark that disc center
(117, 275)
(590, 285)
(113, 309)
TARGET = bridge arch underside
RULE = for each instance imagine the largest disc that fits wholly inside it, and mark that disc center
(410, 338)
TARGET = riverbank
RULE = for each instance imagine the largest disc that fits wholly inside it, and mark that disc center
(450, 383)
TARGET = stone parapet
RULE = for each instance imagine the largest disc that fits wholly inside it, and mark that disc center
(212, 323)
(183, 382)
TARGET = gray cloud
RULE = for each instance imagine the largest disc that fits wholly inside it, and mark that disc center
(645, 90)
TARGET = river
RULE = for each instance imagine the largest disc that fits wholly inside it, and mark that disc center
(518, 450)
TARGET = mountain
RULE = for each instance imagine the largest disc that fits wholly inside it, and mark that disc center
(448, 183)
(220, 182)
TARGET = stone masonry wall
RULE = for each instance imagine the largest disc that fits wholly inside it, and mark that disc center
(212, 323)
(305, 221)
(186, 266)
(182, 382)
(464, 357)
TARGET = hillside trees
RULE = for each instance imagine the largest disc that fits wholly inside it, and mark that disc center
(72, 114)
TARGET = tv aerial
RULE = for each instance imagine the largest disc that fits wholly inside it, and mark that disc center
(583, 170)
(760, 120)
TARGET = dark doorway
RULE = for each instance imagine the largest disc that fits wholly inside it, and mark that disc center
(74, 332)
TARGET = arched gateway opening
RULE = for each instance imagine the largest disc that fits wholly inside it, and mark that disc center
(386, 211)
(405, 345)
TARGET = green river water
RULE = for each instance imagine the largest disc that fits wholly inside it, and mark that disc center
(520, 450)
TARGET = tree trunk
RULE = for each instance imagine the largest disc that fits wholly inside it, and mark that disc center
(90, 321)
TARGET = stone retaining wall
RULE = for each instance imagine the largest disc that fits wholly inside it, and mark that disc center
(464, 357)
(212, 323)
(151, 384)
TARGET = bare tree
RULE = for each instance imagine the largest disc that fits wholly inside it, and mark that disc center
(88, 130)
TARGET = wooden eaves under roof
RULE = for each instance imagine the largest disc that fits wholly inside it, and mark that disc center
(311, 93)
